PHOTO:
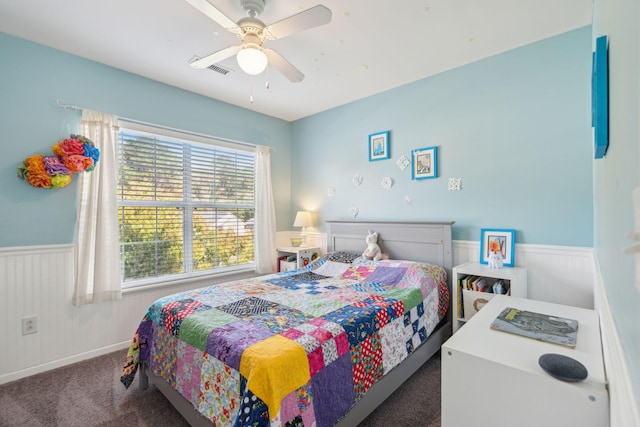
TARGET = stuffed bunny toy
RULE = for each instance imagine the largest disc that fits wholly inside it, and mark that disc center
(495, 260)
(373, 251)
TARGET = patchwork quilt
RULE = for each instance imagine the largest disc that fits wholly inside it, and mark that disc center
(297, 348)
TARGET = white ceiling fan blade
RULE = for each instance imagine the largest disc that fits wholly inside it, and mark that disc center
(284, 66)
(310, 18)
(216, 57)
(212, 12)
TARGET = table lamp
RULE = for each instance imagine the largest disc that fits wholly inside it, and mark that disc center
(303, 219)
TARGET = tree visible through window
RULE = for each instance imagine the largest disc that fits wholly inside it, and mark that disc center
(183, 207)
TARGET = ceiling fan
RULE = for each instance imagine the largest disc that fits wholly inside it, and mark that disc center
(252, 56)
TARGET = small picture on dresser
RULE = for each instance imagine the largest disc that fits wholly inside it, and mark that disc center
(497, 242)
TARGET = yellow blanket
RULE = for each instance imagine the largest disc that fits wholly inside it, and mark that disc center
(274, 368)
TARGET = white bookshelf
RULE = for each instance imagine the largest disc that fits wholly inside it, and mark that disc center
(515, 277)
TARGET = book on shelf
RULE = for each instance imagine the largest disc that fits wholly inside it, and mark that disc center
(460, 303)
(467, 282)
(480, 285)
(541, 327)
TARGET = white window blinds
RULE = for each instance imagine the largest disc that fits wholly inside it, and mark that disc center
(184, 207)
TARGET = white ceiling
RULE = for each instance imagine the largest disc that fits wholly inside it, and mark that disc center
(369, 46)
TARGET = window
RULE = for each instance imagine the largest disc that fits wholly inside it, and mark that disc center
(186, 206)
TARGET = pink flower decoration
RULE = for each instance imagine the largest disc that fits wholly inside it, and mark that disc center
(74, 154)
(69, 147)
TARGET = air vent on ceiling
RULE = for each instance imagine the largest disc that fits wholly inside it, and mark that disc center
(219, 69)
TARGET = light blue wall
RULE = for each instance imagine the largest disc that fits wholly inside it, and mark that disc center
(515, 127)
(618, 173)
(34, 76)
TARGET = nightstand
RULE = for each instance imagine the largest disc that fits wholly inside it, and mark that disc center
(300, 256)
(493, 378)
(514, 279)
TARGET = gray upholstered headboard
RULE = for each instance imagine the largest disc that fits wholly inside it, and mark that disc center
(414, 241)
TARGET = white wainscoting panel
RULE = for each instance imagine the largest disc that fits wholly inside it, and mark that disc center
(35, 281)
(557, 274)
(624, 406)
(39, 281)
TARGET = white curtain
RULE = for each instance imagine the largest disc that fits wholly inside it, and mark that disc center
(97, 258)
(265, 220)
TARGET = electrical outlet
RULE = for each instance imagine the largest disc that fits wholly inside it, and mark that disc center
(29, 325)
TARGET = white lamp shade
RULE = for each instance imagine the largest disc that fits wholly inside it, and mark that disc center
(252, 61)
(303, 219)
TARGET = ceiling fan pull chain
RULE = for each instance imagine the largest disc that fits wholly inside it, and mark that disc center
(251, 89)
(266, 84)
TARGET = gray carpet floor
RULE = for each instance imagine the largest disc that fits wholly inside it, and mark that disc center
(89, 393)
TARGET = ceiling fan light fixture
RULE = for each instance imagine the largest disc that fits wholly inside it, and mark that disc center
(252, 60)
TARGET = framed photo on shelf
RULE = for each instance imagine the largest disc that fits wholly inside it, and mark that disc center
(502, 240)
(379, 146)
(424, 163)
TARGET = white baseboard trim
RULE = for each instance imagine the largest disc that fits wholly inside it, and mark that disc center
(33, 370)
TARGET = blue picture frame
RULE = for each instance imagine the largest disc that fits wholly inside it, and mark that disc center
(379, 146)
(600, 97)
(424, 163)
(507, 240)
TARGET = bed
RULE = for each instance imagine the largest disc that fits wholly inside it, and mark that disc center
(323, 345)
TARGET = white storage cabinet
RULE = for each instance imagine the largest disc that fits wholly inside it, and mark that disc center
(493, 378)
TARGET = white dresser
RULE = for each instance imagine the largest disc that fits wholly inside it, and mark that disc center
(492, 378)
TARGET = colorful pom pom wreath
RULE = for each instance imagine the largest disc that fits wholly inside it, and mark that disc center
(72, 155)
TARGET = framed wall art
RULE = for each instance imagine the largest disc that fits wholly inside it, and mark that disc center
(424, 163)
(497, 240)
(379, 146)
